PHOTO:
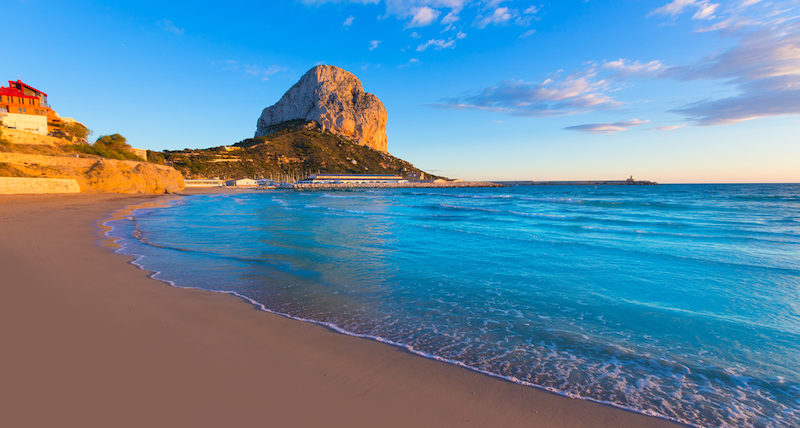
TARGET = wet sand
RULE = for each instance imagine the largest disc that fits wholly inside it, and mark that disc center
(89, 340)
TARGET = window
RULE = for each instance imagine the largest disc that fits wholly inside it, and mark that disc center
(24, 110)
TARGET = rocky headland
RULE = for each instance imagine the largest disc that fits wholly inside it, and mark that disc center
(295, 150)
(335, 101)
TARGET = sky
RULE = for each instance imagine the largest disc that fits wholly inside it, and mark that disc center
(674, 91)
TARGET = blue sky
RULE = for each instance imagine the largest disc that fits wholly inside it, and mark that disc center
(675, 91)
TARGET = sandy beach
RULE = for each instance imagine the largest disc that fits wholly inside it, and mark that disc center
(89, 340)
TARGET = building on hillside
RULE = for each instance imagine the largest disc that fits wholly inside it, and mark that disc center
(25, 108)
(352, 179)
(242, 182)
(35, 124)
(142, 153)
(415, 176)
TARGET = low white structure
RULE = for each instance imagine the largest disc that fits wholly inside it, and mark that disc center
(352, 179)
(415, 176)
(242, 182)
(203, 183)
(25, 122)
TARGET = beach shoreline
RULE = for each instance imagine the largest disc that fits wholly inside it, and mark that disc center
(95, 341)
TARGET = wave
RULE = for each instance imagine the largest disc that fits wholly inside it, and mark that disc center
(561, 352)
(630, 227)
(624, 250)
(336, 328)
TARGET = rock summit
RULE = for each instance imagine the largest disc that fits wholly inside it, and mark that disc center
(335, 100)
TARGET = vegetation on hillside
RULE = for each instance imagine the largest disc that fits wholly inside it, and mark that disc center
(113, 146)
(294, 152)
(76, 131)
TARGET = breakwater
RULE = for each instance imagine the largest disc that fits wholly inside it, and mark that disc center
(409, 185)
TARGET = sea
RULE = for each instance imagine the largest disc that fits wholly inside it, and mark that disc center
(678, 301)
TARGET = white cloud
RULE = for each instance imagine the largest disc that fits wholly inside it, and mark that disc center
(437, 44)
(607, 128)
(669, 127)
(374, 45)
(625, 67)
(170, 27)
(501, 15)
(577, 92)
(764, 66)
(450, 18)
(450, 14)
(761, 68)
(348, 22)
(423, 16)
(704, 9)
(527, 33)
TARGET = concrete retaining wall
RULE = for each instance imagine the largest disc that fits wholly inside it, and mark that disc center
(19, 185)
(26, 122)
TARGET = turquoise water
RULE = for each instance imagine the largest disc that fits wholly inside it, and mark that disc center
(677, 301)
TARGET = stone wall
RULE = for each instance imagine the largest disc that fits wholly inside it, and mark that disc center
(28, 138)
(26, 122)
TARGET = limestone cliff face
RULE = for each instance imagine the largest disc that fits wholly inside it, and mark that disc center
(112, 176)
(336, 101)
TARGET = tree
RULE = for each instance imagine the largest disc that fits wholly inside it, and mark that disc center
(114, 142)
(76, 130)
(156, 157)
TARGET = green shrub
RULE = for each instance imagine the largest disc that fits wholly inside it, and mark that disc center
(109, 146)
(156, 157)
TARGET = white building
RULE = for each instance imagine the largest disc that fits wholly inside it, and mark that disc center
(352, 179)
(32, 123)
(242, 182)
(203, 183)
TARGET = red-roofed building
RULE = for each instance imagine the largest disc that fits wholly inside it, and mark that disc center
(25, 107)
